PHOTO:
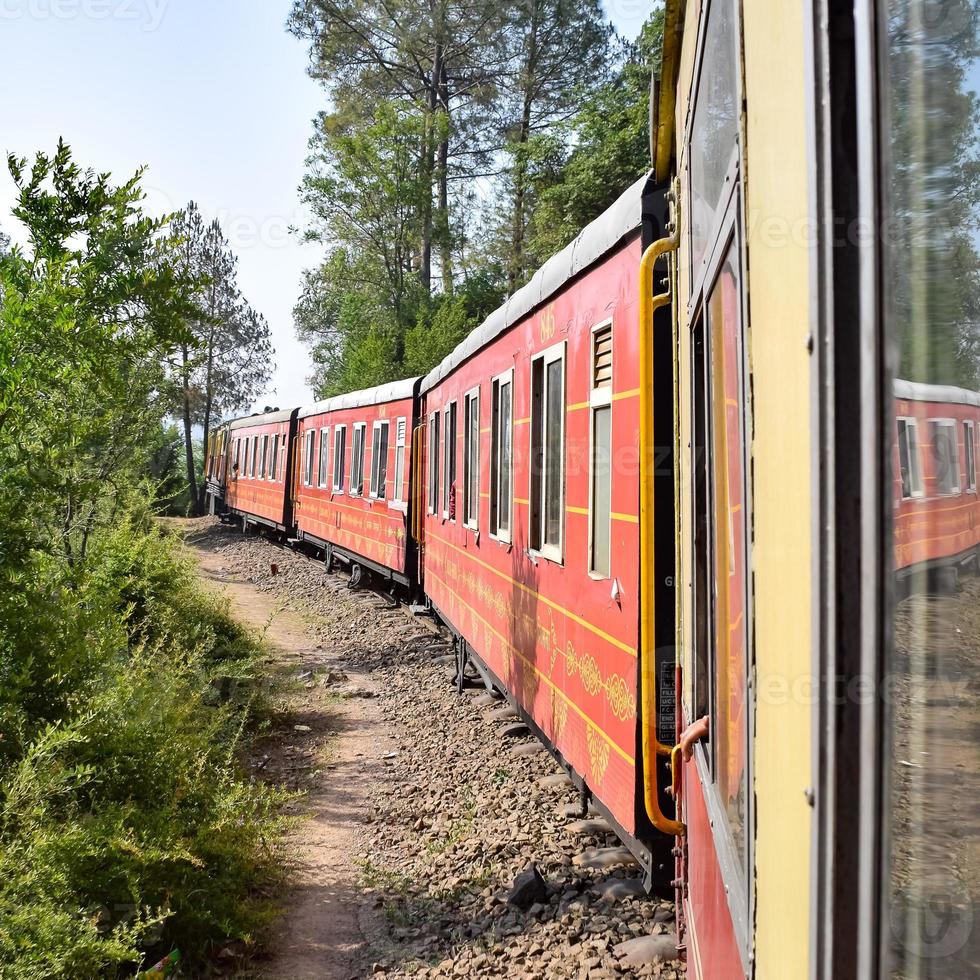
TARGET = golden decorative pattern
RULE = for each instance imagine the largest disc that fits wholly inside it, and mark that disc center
(598, 753)
(559, 715)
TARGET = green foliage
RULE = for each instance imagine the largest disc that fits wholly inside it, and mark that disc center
(126, 826)
(467, 141)
(610, 149)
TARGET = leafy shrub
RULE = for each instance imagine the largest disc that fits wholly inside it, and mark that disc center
(126, 825)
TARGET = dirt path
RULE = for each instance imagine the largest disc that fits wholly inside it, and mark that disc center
(334, 755)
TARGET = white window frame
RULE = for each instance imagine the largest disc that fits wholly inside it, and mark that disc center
(435, 456)
(473, 395)
(274, 459)
(358, 440)
(970, 460)
(599, 398)
(916, 481)
(255, 453)
(376, 486)
(947, 423)
(549, 552)
(401, 437)
(236, 458)
(308, 454)
(450, 420)
(323, 459)
(263, 465)
(339, 444)
(496, 383)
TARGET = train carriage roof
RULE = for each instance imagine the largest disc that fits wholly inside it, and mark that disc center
(266, 418)
(620, 220)
(392, 392)
(916, 391)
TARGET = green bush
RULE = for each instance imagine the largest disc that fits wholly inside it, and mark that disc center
(126, 825)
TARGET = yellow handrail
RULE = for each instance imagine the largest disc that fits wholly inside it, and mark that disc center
(649, 303)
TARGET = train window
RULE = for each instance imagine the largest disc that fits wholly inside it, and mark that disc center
(547, 500)
(435, 449)
(449, 462)
(235, 458)
(323, 459)
(930, 661)
(946, 456)
(501, 454)
(471, 459)
(274, 461)
(970, 456)
(714, 130)
(339, 457)
(908, 458)
(379, 460)
(264, 464)
(600, 489)
(308, 461)
(254, 457)
(401, 428)
(357, 459)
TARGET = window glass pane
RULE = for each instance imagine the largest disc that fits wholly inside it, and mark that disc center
(472, 450)
(554, 491)
(601, 488)
(930, 131)
(729, 722)
(383, 462)
(715, 127)
(505, 444)
(324, 456)
(537, 452)
(970, 455)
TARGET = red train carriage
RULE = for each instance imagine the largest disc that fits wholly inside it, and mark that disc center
(257, 465)
(937, 512)
(531, 529)
(351, 483)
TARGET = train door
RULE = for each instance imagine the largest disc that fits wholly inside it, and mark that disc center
(898, 847)
(716, 798)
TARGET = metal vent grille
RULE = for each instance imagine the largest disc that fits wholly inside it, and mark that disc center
(602, 358)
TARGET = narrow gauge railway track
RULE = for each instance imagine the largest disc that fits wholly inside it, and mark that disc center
(464, 807)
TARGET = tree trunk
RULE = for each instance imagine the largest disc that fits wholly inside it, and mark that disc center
(208, 402)
(445, 243)
(188, 436)
(518, 229)
(428, 166)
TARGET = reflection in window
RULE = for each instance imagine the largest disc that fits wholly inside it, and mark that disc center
(908, 458)
(930, 113)
(715, 127)
(729, 721)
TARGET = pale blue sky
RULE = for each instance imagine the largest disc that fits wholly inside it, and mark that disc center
(212, 95)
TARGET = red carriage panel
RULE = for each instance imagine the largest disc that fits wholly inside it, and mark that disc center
(937, 513)
(351, 482)
(257, 467)
(531, 527)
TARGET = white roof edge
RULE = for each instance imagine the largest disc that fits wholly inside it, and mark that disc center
(623, 217)
(260, 418)
(917, 391)
(390, 392)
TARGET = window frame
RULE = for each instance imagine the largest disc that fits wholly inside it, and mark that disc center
(970, 455)
(274, 459)
(435, 455)
(397, 501)
(496, 383)
(255, 453)
(471, 445)
(358, 445)
(263, 466)
(337, 475)
(600, 399)
(450, 458)
(918, 486)
(537, 509)
(309, 453)
(379, 490)
(947, 423)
